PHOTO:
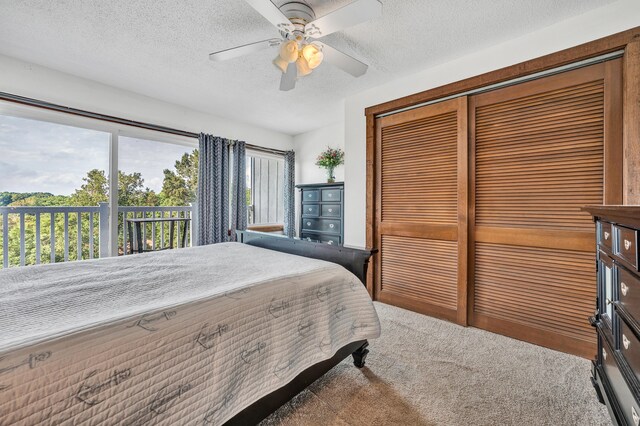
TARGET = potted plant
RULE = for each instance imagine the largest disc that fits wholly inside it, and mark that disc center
(330, 159)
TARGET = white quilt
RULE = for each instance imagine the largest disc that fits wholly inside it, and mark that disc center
(188, 336)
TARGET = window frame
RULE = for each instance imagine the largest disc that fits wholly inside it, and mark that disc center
(115, 130)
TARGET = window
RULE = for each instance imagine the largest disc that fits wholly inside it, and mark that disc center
(55, 203)
(265, 189)
(52, 179)
(155, 180)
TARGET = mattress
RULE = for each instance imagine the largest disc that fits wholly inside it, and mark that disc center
(188, 336)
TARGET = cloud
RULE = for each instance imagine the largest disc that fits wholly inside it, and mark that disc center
(48, 157)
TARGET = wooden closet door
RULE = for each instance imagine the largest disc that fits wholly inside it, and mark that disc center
(421, 225)
(539, 151)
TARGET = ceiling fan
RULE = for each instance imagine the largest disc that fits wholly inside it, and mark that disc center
(300, 50)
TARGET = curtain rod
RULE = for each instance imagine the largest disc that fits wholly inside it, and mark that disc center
(118, 120)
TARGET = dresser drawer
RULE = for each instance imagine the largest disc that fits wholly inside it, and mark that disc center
(310, 237)
(312, 210)
(310, 195)
(330, 239)
(331, 195)
(323, 225)
(629, 292)
(605, 236)
(331, 210)
(626, 244)
(625, 398)
(630, 347)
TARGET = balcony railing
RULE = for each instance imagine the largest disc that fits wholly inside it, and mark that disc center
(34, 235)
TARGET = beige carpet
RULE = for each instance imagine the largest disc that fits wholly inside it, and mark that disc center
(424, 371)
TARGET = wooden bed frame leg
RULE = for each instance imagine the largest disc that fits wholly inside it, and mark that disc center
(360, 355)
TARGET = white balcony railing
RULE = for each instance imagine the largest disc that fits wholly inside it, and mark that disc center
(34, 235)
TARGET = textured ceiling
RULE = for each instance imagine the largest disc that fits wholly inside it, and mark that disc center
(160, 48)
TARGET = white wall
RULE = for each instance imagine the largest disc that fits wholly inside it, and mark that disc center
(33, 81)
(598, 23)
(309, 145)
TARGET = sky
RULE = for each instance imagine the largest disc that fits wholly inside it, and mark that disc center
(37, 156)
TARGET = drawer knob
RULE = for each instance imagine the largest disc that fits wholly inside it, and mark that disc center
(634, 414)
(604, 354)
(625, 342)
(623, 288)
(329, 242)
(606, 234)
(627, 244)
(330, 210)
(309, 195)
(309, 208)
(330, 195)
(308, 223)
(331, 225)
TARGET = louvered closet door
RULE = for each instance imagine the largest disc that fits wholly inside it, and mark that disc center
(421, 209)
(540, 151)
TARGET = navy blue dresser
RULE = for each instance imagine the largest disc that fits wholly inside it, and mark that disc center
(322, 212)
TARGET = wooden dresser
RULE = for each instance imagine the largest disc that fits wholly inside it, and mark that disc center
(322, 212)
(616, 369)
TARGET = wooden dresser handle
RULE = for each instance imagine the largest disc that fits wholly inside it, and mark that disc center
(627, 244)
(625, 342)
(623, 288)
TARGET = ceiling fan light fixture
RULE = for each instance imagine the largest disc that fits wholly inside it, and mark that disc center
(281, 64)
(303, 67)
(313, 55)
(289, 51)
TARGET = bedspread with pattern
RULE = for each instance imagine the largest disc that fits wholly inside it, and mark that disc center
(188, 336)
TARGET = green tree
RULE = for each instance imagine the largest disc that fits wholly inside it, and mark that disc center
(94, 190)
(131, 190)
(179, 187)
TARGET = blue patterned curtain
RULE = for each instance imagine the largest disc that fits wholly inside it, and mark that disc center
(289, 193)
(213, 190)
(238, 189)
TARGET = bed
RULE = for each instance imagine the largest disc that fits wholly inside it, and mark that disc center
(219, 334)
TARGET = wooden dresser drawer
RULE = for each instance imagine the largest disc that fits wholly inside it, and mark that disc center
(330, 239)
(319, 238)
(605, 236)
(627, 402)
(323, 225)
(331, 210)
(311, 210)
(331, 195)
(629, 292)
(630, 347)
(310, 195)
(626, 244)
(310, 237)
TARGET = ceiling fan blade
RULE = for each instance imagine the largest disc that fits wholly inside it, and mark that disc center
(342, 60)
(271, 12)
(246, 49)
(288, 80)
(347, 16)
